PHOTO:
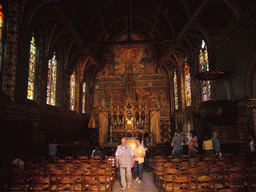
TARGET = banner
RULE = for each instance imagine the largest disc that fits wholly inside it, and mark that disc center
(92, 123)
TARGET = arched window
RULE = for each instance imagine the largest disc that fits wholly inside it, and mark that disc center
(203, 67)
(175, 90)
(1, 36)
(31, 70)
(72, 91)
(187, 83)
(83, 97)
(51, 83)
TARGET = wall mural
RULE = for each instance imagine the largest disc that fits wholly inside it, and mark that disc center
(121, 59)
(134, 59)
(151, 97)
(130, 77)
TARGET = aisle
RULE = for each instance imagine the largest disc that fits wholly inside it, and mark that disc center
(147, 184)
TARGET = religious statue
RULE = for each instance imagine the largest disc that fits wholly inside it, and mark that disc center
(129, 119)
(121, 117)
(143, 117)
(137, 117)
(115, 118)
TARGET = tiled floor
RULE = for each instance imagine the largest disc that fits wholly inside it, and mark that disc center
(147, 184)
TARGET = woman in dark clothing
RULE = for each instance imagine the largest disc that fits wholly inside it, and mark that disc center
(193, 145)
(99, 152)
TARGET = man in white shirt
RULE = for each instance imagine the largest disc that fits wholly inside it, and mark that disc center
(125, 160)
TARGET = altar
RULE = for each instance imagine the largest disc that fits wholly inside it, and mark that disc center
(131, 142)
(127, 122)
(126, 117)
(130, 92)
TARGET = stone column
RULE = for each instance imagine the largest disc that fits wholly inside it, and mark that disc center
(42, 78)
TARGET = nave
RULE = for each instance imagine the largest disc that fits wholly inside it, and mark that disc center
(232, 173)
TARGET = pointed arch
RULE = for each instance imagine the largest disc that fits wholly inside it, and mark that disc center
(39, 5)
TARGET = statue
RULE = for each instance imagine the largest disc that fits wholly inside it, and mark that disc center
(120, 117)
(143, 117)
(129, 119)
(115, 117)
(137, 117)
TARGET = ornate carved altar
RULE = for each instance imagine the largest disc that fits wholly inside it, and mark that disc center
(127, 123)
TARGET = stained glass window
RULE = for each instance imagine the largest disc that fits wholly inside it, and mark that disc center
(203, 67)
(83, 97)
(51, 83)
(175, 90)
(1, 32)
(187, 83)
(31, 70)
(72, 91)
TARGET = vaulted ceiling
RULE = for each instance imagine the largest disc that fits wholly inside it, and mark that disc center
(84, 28)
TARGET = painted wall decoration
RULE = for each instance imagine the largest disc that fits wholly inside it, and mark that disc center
(130, 76)
(135, 59)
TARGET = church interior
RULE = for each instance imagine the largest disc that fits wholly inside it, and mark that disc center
(87, 73)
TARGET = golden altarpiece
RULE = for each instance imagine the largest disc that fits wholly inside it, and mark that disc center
(130, 92)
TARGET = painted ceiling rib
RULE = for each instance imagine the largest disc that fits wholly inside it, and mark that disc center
(74, 11)
(163, 59)
(155, 20)
(73, 30)
(128, 15)
(68, 52)
(35, 10)
(192, 19)
(68, 23)
(186, 8)
(165, 14)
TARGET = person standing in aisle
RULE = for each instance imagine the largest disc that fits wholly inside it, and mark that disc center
(52, 149)
(216, 143)
(125, 161)
(139, 152)
(177, 144)
(145, 136)
(193, 145)
(208, 145)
